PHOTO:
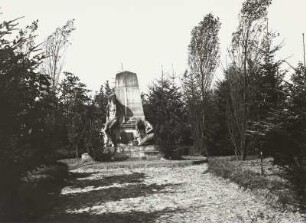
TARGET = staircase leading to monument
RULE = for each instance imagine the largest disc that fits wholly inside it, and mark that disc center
(128, 131)
(149, 152)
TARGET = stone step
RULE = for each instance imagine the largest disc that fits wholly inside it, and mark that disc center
(147, 148)
(137, 152)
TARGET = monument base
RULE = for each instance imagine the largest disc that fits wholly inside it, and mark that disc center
(149, 152)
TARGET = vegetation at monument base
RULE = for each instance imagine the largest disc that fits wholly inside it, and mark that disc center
(164, 108)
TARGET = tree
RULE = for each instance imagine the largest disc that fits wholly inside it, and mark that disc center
(235, 110)
(203, 59)
(24, 113)
(54, 49)
(93, 139)
(165, 102)
(100, 100)
(246, 56)
(287, 125)
(219, 143)
(267, 95)
(74, 100)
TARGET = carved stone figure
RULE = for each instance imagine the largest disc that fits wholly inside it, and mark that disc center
(114, 118)
(145, 132)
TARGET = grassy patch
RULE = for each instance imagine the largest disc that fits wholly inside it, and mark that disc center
(276, 190)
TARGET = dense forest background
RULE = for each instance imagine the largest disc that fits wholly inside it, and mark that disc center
(257, 108)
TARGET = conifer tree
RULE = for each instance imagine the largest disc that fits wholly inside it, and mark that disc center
(164, 108)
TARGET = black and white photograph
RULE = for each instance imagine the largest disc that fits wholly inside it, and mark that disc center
(152, 111)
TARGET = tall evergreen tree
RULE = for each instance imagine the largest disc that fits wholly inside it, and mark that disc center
(267, 93)
(164, 109)
(74, 98)
(219, 136)
(25, 103)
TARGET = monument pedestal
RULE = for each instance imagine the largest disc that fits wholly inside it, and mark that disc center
(128, 132)
(150, 152)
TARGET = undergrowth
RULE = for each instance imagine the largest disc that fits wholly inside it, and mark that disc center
(278, 192)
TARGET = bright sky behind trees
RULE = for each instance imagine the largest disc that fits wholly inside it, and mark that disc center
(145, 35)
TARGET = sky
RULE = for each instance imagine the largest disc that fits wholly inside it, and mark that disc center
(146, 36)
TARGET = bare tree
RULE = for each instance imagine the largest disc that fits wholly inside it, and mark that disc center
(55, 47)
(203, 60)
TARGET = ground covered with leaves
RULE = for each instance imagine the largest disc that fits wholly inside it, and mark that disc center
(145, 193)
(280, 186)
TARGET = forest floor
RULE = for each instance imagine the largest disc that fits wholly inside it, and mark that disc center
(157, 191)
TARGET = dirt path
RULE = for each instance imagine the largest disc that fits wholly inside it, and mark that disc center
(159, 194)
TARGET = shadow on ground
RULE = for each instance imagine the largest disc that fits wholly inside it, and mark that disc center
(76, 180)
(128, 217)
(97, 197)
(33, 195)
(89, 189)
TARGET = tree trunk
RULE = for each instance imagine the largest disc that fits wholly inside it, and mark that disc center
(245, 97)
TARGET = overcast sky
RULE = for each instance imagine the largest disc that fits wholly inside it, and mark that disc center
(144, 35)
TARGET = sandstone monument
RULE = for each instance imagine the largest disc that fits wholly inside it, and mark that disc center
(128, 96)
(127, 93)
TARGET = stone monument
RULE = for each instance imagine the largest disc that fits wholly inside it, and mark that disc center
(128, 95)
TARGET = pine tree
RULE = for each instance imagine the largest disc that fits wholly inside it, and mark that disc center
(219, 136)
(25, 103)
(267, 95)
(75, 100)
(165, 110)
